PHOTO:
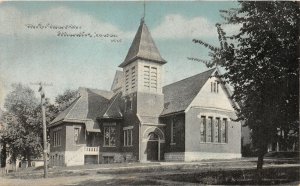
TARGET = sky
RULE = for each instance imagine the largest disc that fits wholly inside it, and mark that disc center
(32, 48)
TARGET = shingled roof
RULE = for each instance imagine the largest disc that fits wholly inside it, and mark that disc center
(180, 94)
(85, 108)
(114, 108)
(143, 47)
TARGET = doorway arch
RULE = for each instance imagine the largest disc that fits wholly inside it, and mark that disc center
(153, 137)
(153, 147)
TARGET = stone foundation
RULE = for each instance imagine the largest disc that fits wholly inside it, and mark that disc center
(57, 158)
(117, 157)
(174, 156)
(197, 156)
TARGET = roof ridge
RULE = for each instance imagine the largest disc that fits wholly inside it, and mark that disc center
(96, 88)
(72, 107)
(189, 77)
(142, 24)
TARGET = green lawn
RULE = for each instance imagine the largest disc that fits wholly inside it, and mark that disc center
(205, 172)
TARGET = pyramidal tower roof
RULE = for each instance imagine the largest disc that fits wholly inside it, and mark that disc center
(143, 47)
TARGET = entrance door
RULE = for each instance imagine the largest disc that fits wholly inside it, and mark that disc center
(152, 147)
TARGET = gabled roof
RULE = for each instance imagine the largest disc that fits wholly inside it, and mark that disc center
(86, 107)
(180, 94)
(143, 47)
(118, 81)
(113, 110)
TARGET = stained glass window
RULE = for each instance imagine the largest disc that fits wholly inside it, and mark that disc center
(110, 136)
(216, 130)
(209, 130)
(202, 129)
(224, 131)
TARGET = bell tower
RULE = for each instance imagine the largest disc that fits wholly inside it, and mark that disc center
(143, 65)
(142, 89)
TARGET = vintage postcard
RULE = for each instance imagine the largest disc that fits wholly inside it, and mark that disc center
(148, 92)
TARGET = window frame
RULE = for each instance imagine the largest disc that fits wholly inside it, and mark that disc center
(128, 136)
(216, 124)
(173, 127)
(203, 123)
(109, 137)
(57, 136)
(76, 141)
(225, 132)
(214, 86)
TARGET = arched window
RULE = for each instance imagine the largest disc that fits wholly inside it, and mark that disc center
(153, 136)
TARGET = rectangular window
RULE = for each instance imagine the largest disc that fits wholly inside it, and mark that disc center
(209, 130)
(214, 87)
(110, 136)
(216, 130)
(56, 138)
(128, 104)
(172, 131)
(132, 77)
(153, 79)
(76, 135)
(127, 137)
(127, 80)
(203, 129)
(224, 131)
(147, 76)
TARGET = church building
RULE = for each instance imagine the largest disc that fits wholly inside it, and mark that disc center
(141, 120)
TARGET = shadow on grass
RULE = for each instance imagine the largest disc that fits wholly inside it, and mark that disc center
(128, 181)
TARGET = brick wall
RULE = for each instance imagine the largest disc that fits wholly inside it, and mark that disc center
(178, 144)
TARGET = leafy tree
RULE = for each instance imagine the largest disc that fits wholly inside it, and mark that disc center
(261, 64)
(64, 100)
(23, 121)
(23, 130)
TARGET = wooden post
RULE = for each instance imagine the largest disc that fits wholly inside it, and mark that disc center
(44, 125)
(44, 135)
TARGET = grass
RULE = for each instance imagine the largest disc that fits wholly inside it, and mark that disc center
(236, 177)
(204, 172)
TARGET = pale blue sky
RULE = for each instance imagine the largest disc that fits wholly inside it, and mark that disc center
(32, 55)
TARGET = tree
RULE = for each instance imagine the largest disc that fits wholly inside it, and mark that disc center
(64, 100)
(23, 121)
(261, 65)
(23, 130)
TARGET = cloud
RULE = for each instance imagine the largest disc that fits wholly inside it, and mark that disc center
(176, 26)
(17, 23)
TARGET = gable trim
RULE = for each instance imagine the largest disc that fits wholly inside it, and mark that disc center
(188, 108)
(105, 114)
(224, 87)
